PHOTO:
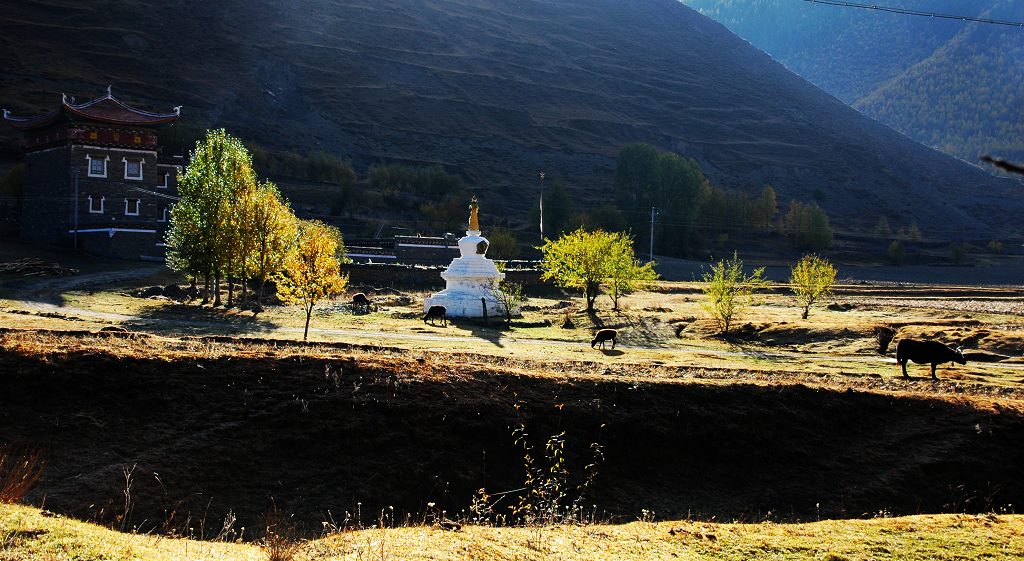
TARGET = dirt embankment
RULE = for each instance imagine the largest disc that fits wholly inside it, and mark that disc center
(210, 429)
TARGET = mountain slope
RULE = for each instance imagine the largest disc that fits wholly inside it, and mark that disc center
(497, 90)
(949, 84)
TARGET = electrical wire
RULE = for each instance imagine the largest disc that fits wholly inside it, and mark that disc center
(909, 12)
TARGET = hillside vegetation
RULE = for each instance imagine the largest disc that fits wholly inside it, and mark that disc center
(495, 91)
(950, 84)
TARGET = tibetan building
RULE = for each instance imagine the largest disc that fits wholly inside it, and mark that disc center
(94, 178)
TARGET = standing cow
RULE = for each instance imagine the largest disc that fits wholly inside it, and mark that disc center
(604, 335)
(436, 312)
(926, 352)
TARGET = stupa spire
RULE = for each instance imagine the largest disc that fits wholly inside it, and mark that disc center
(474, 215)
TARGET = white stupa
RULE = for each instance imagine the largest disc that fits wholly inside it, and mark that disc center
(470, 278)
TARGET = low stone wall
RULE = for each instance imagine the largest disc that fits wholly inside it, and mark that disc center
(419, 276)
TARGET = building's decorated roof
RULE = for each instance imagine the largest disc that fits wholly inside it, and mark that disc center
(106, 109)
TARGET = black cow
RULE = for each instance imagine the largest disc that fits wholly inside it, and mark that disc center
(436, 312)
(604, 335)
(926, 352)
(360, 300)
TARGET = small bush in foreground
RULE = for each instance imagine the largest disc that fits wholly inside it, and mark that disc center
(20, 469)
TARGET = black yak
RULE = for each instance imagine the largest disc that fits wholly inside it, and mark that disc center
(360, 300)
(926, 352)
(436, 312)
(604, 335)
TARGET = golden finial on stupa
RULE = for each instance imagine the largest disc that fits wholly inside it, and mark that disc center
(474, 218)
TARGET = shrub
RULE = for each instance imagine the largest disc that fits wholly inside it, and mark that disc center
(957, 253)
(13, 183)
(394, 179)
(280, 542)
(20, 469)
(995, 246)
(897, 253)
(882, 228)
(914, 233)
(807, 226)
(504, 244)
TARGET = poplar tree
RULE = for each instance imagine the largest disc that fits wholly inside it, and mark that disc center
(219, 166)
(274, 230)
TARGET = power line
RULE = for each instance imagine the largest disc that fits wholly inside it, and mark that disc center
(909, 12)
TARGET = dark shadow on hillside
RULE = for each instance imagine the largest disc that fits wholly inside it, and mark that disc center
(225, 433)
(193, 319)
(611, 352)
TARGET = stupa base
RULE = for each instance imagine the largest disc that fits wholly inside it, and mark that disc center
(462, 305)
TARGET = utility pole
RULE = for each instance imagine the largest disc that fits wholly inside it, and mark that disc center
(654, 213)
(74, 207)
(542, 207)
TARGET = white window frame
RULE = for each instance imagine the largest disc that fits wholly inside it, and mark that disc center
(92, 207)
(89, 160)
(167, 181)
(141, 172)
(163, 215)
(138, 207)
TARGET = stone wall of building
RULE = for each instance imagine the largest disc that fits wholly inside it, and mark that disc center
(46, 208)
(122, 244)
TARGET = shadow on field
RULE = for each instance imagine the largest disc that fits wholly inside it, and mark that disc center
(193, 319)
(211, 433)
(492, 333)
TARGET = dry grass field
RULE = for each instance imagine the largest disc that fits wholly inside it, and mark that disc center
(26, 535)
(180, 417)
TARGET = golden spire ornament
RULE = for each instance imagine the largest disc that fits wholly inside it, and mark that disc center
(474, 218)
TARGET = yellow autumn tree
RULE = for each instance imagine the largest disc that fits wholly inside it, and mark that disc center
(312, 271)
(811, 279)
(274, 230)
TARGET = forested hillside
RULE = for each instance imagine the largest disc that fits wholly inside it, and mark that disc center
(494, 91)
(957, 86)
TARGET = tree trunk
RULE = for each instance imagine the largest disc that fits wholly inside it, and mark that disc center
(259, 295)
(231, 292)
(807, 309)
(206, 289)
(216, 290)
(309, 313)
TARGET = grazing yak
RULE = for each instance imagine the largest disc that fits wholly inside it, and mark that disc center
(360, 300)
(604, 335)
(436, 312)
(926, 352)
